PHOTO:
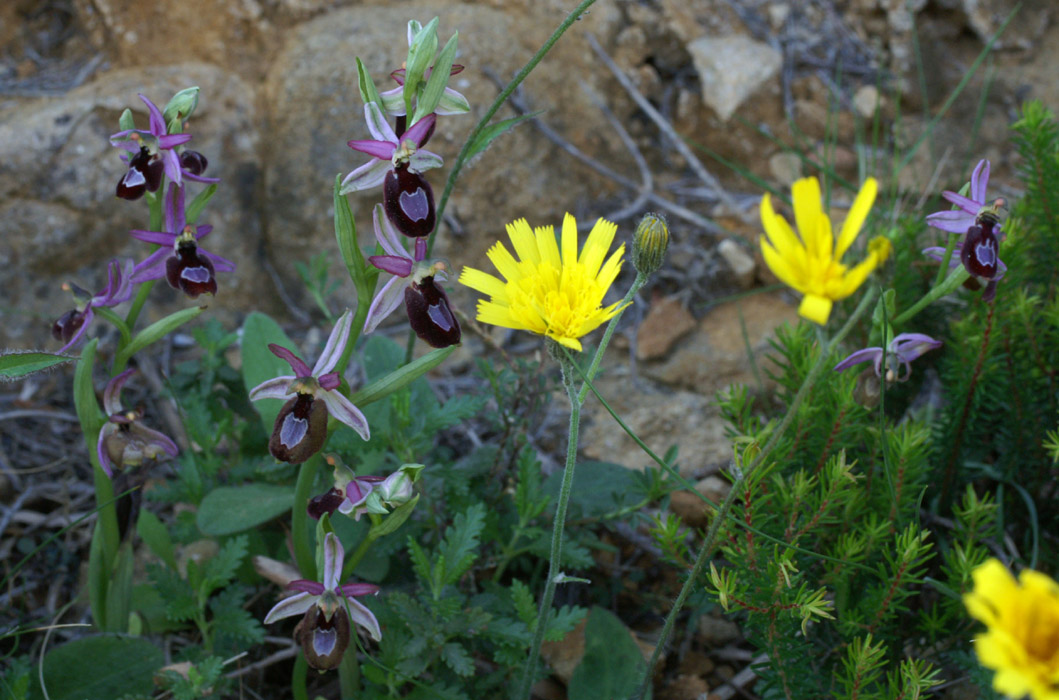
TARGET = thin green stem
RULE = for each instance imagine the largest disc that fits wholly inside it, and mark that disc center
(137, 305)
(594, 367)
(299, 520)
(357, 555)
(554, 574)
(457, 165)
(954, 280)
(950, 246)
(298, 679)
(117, 321)
(737, 486)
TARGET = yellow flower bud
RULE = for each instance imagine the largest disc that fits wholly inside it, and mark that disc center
(649, 243)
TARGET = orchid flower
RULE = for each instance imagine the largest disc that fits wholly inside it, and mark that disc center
(180, 259)
(301, 426)
(390, 152)
(324, 630)
(124, 441)
(903, 349)
(153, 152)
(961, 219)
(72, 325)
(413, 281)
(354, 495)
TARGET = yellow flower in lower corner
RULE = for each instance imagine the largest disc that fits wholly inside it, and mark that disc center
(809, 261)
(1021, 642)
(545, 291)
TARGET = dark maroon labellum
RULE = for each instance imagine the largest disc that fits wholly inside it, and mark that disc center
(300, 429)
(409, 202)
(194, 162)
(979, 253)
(323, 641)
(325, 503)
(144, 174)
(190, 271)
(429, 313)
(67, 326)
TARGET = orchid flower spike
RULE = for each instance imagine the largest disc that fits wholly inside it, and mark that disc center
(324, 630)
(154, 152)
(72, 325)
(301, 426)
(416, 283)
(181, 260)
(903, 349)
(124, 441)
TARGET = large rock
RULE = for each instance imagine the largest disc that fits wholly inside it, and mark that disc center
(715, 355)
(59, 218)
(732, 69)
(315, 108)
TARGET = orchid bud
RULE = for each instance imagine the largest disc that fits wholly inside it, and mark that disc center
(397, 489)
(649, 243)
(182, 105)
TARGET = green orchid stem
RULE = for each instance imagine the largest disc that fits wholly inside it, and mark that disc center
(349, 673)
(495, 107)
(737, 487)
(304, 556)
(950, 246)
(118, 322)
(137, 306)
(954, 280)
(363, 304)
(299, 676)
(357, 555)
(530, 671)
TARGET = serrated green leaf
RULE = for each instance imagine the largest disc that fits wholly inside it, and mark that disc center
(176, 593)
(194, 209)
(562, 621)
(220, 570)
(259, 364)
(459, 548)
(486, 137)
(439, 78)
(230, 509)
(420, 563)
(156, 537)
(99, 667)
(612, 665)
(15, 365)
(401, 377)
(457, 658)
(155, 332)
(522, 598)
(230, 619)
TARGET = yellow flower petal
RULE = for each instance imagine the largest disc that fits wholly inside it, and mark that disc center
(782, 236)
(484, 283)
(815, 308)
(548, 289)
(524, 241)
(596, 245)
(805, 196)
(780, 267)
(505, 262)
(856, 217)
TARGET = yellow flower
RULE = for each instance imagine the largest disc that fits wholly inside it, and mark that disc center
(809, 261)
(1022, 640)
(553, 294)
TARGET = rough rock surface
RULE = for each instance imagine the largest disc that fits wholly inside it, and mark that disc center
(732, 69)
